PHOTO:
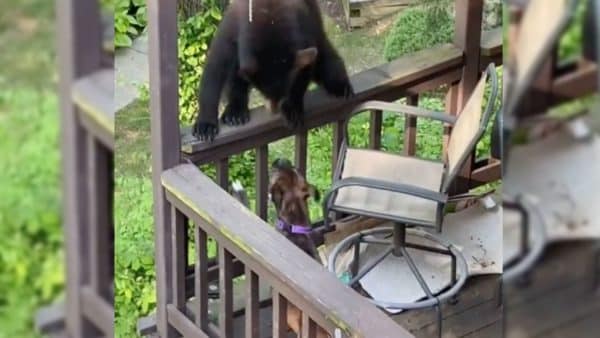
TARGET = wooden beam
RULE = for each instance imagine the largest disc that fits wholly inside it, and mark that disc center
(580, 82)
(467, 37)
(79, 54)
(164, 125)
(410, 128)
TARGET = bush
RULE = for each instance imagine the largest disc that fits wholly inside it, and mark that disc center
(130, 20)
(31, 259)
(418, 28)
(195, 35)
(135, 287)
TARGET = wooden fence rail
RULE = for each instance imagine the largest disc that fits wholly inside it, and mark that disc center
(86, 87)
(241, 234)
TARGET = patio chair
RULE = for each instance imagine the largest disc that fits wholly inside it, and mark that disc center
(408, 191)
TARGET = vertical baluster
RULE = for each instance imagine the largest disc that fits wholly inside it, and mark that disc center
(410, 128)
(99, 221)
(451, 108)
(375, 129)
(179, 257)
(338, 134)
(223, 173)
(222, 179)
(309, 327)
(301, 141)
(262, 180)
(252, 308)
(201, 280)
(226, 292)
(279, 315)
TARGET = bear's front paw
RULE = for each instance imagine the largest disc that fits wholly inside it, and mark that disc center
(235, 116)
(205, 131)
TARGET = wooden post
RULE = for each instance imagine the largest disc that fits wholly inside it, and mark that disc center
(375, 129)
(467, 37)
(410, 128)
(162, 27)
(79, 54)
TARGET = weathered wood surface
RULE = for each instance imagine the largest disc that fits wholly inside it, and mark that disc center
(98, 311)
(559, 298)
(79, 54)
(424, 70)
(291, 272)
(164, 125)
(477, 308)
(94, 95)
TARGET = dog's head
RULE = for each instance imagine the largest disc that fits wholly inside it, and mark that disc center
(290, 193)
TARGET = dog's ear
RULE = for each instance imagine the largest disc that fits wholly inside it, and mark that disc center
(276, 195)
(314, 192)
(282, 163)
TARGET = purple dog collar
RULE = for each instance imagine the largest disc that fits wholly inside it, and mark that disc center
(292, 228)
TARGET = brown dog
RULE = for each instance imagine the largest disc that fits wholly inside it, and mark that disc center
(290, 192)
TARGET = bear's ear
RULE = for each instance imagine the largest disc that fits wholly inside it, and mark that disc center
(306, 57)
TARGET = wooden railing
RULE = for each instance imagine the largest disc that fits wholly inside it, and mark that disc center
(246, 245)
(87, 128)
(267, 257)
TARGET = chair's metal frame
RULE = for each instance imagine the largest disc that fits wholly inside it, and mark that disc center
(398, 244)
(529, 254)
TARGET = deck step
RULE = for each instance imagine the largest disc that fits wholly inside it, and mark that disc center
(94, 95)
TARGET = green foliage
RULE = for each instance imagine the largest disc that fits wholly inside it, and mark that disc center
(570, 44)
(135, 288)
(418, 28)
(130, 20)
(31, 258)
(195, 35)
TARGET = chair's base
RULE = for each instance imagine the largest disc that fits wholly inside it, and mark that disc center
(516, 268)
(397, 246)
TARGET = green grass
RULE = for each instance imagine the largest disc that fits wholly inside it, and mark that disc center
(31, 258)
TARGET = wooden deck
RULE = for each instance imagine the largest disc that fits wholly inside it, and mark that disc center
(560, 297)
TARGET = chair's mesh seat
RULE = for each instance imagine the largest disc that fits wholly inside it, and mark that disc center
(393, 168)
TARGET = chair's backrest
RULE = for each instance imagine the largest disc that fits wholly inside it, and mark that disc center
(470, 124)
(540, 27)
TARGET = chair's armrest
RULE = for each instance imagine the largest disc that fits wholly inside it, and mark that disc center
(404, 109)
(389, 186)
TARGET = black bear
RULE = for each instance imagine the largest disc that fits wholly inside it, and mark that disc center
(276, 46)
